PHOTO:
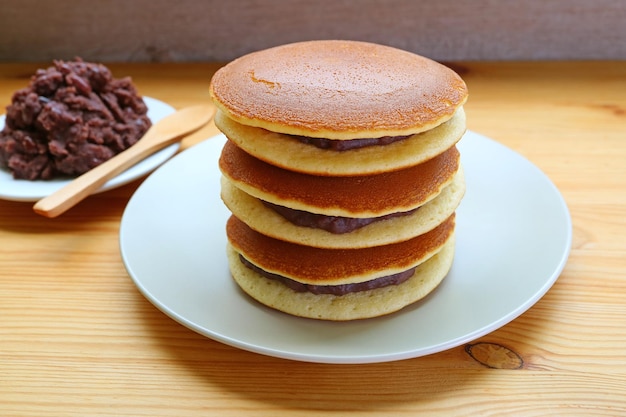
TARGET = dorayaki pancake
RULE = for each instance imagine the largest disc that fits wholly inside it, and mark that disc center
(362, 196)
(338, 90)
(319, 266)
(287, 152)
(352, 306)
(264, 220)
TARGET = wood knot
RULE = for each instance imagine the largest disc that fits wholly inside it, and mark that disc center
(495, 356)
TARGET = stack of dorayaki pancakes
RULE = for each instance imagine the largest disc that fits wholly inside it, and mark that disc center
(342, 175)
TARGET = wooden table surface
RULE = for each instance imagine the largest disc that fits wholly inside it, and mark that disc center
(78, 339)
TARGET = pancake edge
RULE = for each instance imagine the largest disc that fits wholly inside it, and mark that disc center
(288, 153)
(359, 305)
(264, 220)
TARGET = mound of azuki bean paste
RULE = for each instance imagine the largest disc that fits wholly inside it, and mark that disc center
(72, 117)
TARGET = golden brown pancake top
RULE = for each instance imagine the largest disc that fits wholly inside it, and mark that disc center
(334, 266)
(362, 196)
(338, 90)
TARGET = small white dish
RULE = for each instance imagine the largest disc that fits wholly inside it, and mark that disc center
(24, 190)
(514, 235)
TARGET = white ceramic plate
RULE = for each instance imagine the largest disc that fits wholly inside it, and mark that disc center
(24, 190)
(513, 239)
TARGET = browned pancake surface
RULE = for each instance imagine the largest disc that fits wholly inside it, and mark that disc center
(338, 90)
(334, 266)
(353, 306)
(265, 220)
(362, 196)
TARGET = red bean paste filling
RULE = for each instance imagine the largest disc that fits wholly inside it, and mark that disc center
(70, 118)
(343, 289)
(332, 224)
(346, 145)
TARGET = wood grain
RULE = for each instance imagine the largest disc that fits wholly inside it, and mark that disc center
(192, 30)
(77, 338)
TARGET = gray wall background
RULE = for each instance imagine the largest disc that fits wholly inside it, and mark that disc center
(197, 30)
